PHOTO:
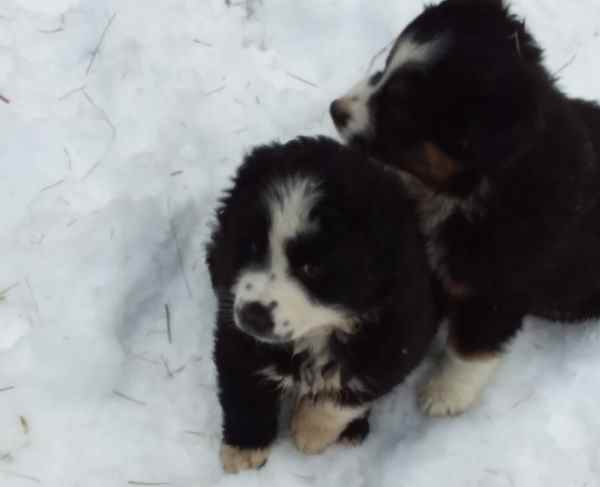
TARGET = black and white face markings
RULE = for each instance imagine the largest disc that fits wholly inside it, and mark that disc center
(352, 113)
(270, 302)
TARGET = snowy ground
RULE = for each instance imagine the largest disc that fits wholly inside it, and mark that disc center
(110, 166)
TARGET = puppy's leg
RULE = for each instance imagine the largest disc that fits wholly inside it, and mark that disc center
(317, 424)
(479, 332)
(250, 404)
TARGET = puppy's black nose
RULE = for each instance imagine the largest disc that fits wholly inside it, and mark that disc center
(256, 318)
(339, 115)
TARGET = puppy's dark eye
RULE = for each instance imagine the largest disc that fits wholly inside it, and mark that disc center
(310, 271)
(253, 249)
(375, 78)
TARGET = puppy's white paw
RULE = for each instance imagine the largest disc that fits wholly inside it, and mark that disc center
(457, 385)
(312, 431)
(442, 398)
(235, 459)
(318, 425)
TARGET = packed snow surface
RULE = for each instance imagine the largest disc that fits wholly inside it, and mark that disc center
(120, 122)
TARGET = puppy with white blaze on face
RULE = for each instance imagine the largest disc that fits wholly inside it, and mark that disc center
(505, 170)
(324, 295)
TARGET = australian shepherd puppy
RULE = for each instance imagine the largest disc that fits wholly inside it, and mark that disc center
(506, 172)
(323, 291)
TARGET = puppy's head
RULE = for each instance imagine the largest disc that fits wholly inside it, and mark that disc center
(294, 250)
(280, 289)
(458, 95)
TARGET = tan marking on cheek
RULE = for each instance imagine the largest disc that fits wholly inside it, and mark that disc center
(441, 167)
(456, 290)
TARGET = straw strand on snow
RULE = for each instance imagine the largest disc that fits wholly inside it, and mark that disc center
(99, 45)
(180, 261)
(216, 90)
(71, 93)
(136, 482)
(168, 320)
(202, 43)
(69, 160)
(53, 185)
(56, 30)
(112, 128)
(377, 55)
(128, 398)
(4, 292)
(171, 373)
(51, 31)
(302, 80)
(35, 302)
(17, 475)
(566, 65)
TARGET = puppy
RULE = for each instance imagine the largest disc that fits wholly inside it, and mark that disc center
(323, 291)
(506, 171)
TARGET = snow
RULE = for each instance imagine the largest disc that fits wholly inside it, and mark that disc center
(108, 182)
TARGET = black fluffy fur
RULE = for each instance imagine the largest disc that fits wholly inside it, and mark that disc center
(373, 262)
(530, 242)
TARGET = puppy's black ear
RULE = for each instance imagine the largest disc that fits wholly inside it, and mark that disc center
(503, 119)
(496, 3)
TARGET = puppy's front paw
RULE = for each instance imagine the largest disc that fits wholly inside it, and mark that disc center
(235, 459)
(439, 397)
(457, 384)
(311, 430)
(318, 425)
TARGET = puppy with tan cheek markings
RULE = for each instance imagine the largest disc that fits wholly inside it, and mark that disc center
(505, 171)
(324, 295)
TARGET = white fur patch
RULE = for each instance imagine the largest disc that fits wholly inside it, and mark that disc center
(284, 382)
(320, 375)
(356, 102)
(358, 386)
(317, 374)
(457, 384)
(409, 51)
(290, 202)
(294, 312)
